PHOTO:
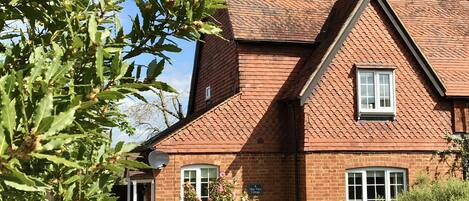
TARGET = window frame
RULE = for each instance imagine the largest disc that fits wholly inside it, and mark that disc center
(387, 184)
(208, 93)
(378, 111)
(198, 177)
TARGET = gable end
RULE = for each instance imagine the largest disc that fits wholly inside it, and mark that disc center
(345, 30)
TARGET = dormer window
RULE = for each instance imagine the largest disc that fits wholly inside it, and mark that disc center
(376, 95)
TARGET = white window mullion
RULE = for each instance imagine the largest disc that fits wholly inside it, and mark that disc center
(365, 185)
(387, 186)
(377, 90)
(198, 182)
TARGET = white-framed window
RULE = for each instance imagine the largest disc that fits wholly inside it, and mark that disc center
(208, 93)
(376, 92)
(375, 184)
(201, 177)
(141, 190)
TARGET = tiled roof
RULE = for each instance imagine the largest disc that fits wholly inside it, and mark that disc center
(232, 126)
(439, 27)
(278, 20)
(441, 30)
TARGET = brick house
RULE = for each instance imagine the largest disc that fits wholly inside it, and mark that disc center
(322, 99)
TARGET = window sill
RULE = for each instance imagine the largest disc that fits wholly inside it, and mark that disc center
(377, 116)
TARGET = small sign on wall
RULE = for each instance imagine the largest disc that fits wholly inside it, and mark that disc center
(254, 189)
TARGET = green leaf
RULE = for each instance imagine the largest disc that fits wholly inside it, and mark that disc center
(99, 63)
(77, 42)
(21, 187)
(43, 109)
(118, 68)
(54, 144)
(128, 147)
(19, 175)
(164, 87)
(56, 160)
(119, 146)
(72, 179)
(92, 27)
(154, 69)
(134, 164)
(67, 136)
(171, 48)
(115, 168)
(62, 120)
(45, 124)
(110, 95)
(3, 143)
(8, 117)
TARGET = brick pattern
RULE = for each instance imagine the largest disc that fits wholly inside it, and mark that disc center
(244, 168)
(287, 20)
(250, 120)
(233, 126)
(266, 70)
(440, 28)
(323, 178)
(461, 117)
(330, 114)
(218, 66)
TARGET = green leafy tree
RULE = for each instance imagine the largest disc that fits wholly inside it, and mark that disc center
(451, 189)
(64, 66)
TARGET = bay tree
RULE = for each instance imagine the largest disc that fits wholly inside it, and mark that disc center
(65, 65)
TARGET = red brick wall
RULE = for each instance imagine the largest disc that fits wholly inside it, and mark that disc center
(324, 173)
(218, 67)
(330, 114)
(269, 170)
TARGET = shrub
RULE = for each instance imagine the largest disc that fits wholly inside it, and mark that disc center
(451, 189)
(189, 192)
(223, 190)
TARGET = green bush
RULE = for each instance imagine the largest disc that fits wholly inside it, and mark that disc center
(451, 189)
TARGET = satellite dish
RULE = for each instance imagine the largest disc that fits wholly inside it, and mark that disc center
(158, 159)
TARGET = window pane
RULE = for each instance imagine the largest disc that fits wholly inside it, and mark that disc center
(393, 192)
(400, 178)
(204, 172)
(379, 177)
(358, 178)
(380, 192)
(351, 179)
(213, 173)
(400, 189)
(371, 192)
(204, 189)
(367, 90)
(358, 191)
(384, 90)
(351, 193)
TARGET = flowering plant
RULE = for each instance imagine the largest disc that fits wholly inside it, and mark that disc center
(189, 192)
(223, 190)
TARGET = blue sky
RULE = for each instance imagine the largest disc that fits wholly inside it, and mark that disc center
(178, 75)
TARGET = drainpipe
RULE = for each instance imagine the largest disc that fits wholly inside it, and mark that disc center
(294, 132)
